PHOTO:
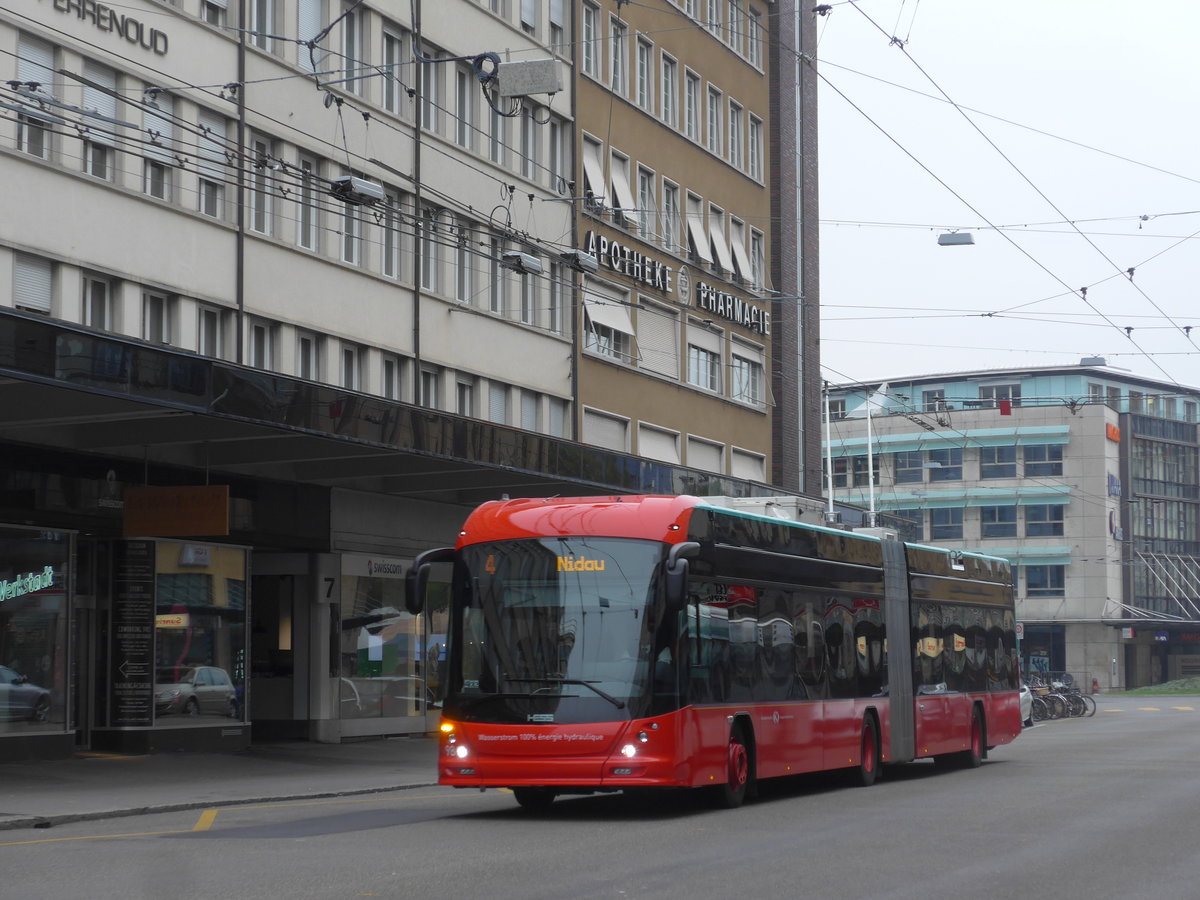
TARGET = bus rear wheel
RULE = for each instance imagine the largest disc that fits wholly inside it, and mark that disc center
(868, 759)
(534, 799)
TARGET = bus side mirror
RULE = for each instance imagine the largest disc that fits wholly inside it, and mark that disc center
(418, 577)
(677, 573)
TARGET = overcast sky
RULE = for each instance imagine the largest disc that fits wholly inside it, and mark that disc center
(1092, 107)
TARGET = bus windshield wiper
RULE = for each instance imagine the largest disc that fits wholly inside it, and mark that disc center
(558, 679)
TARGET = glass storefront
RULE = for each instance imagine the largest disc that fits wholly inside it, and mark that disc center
(199, 632)
(34, 615)
(381, 647)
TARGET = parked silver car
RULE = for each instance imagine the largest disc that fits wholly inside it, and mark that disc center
(193, 691)
(1026, 705)
(19, 699)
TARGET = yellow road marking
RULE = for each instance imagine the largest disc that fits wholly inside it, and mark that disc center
(205, 821)
(1113, 710)
(89, 837)
(1184, 708)
(1149, 709)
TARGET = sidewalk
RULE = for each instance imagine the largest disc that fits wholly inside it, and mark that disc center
(42, 793)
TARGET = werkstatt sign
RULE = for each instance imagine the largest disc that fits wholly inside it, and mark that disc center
(176, 511)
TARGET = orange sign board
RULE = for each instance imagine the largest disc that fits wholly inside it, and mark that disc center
(1112, 432)
(176, 511)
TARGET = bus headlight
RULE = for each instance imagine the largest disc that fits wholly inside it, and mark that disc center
(461, 751)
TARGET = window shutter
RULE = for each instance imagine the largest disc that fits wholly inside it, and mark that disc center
(160, 131)
(32, 281)
(35, 62)
(604, 431)
(104, 103)
(211, 146)
(658, 340)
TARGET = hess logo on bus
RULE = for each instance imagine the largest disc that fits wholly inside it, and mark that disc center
(579, 564)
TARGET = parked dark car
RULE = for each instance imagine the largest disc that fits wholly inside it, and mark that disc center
(195, 690)
(19, 699)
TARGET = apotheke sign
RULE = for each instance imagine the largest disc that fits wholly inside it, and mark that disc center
(616, 256)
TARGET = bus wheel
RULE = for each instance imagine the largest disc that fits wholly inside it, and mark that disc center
(972, 757)
(868, 760)
(533, 798)
(732, 793)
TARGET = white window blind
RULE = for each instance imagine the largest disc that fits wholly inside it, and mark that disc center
(35, 62)
(529, 410)
(747, 465)
(498, 403)
(658, 339)
(529, 13)
(704, 455)
(699, 336)
(605, 431)
(160, 131)
(558, 15)
(593, 170)
(308, 22)
(654, 443)
(32, 282)
(210, 145)
(101, 101)
(720, 248)
(696, 235)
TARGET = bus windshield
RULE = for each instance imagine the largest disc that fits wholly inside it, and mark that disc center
(556, 630)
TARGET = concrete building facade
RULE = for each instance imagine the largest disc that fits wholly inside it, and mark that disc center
(1084, 477)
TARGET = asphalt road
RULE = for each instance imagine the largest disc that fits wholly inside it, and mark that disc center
(1086, 808)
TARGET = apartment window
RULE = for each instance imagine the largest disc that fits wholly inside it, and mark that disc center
(609, 328)
(758, 260)
(714, 121)
(590, 61)
(530, 289)
(557, 423)
(429, 388)
(646, 204)
(33, 283)
(557, 164)
(157, 180)
(1045, 581)
(351, 49)
(1135, 401)
(260, 187)
(212, 12)
(720, 247)
(210, 150)
(262, 346)
(645, 74)
(603, 430)
(617, 36)
(353, 358)
(309, 214)
(464, 265)
(837, 410)
(625, 205)
(391, 378)
(865, 471)
(529, 16)
(946, 524)
(703, 358)
(308, 26)
(497, 282)
(33, 136)
(389, 221)
(156, 318)
(431, 91)
(658, 339)
(464, 82)
(464, 396)
(160, 147)
(557, 298)
(741, 259)
(498, 138)
(99, 143)
(713, 17)
(735, 135)
(1044, 520)
(992, 394)
(670, 216)
(706, 455)
(908, 467)
(430, 256)
(698, 240)
(1043, 459)
(211, 337)
(498, 403)
(97, 302)
(997, 521)
(307, 358)
(747, 379)
(754, 157)
(531, 419)
(691, 106)
(933, 401)
(262, 23)
(911, 524)
(670, 91)
(754, 32)
(530, 135)
(558, 26)
(998, 462)
(393, 63)
(351, 234)
(945, 465)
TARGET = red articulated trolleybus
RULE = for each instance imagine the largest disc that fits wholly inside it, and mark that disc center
(619, 643)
